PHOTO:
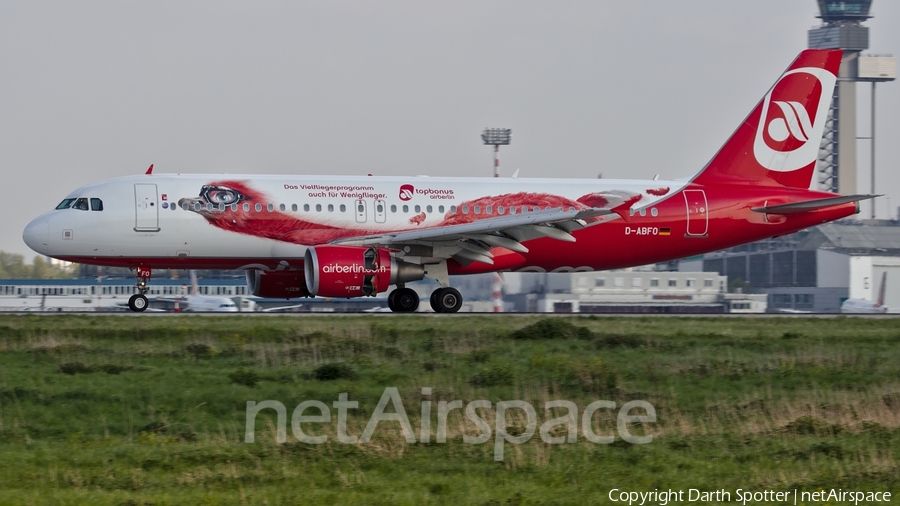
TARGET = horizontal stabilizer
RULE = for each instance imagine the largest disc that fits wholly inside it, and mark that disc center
(811, 205)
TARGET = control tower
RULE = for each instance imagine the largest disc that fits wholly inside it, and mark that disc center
(842, 29)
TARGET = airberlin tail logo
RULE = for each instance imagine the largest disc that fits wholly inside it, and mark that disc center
(406, 192)
(793, 118)
(794, 124)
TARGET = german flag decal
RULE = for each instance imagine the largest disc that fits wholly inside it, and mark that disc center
(665, 231)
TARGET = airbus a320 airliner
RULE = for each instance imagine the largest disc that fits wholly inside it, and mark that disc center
(300, 236)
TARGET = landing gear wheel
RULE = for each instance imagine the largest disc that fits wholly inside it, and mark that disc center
(138, 302)
(392, 305)
(406, 300)
(433, 300)
(446, 300)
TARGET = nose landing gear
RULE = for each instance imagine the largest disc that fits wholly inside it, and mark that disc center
(138, 302)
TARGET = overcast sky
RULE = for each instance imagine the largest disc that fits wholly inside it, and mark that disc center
(93, 90)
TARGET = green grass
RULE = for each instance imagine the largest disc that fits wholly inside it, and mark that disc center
(151, 410)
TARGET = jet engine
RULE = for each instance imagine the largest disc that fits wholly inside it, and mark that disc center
(276, 284)
(355, 271)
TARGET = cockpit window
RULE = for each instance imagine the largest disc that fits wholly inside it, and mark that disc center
(80, 204)
(96, 205)
(65, 204)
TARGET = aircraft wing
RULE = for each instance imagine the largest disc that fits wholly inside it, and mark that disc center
(468, 242)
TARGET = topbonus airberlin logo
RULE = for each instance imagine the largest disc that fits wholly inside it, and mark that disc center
(793, 119)
(406, 192)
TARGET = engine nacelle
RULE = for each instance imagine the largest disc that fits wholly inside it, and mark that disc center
(276, 284)
(355, 271)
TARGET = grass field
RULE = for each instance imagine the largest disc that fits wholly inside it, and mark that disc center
(126, 410)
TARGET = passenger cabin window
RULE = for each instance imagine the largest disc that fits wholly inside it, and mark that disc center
(344, 208)
(393, 208)
(294, 207)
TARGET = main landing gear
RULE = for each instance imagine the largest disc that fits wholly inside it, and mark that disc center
(446, 300)
(403, 300)
(443, 300)
(138, 302)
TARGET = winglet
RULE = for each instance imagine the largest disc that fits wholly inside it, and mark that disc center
(880, 301)
(149, 170)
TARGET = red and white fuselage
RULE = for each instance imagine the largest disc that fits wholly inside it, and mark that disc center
(365, 233)
(144, 221)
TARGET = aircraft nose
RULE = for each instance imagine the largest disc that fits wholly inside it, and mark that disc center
(37, 235)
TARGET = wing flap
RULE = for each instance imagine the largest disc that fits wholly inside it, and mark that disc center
(538, 221)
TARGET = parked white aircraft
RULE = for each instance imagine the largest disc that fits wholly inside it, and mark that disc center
(196, 303)
(867, 306)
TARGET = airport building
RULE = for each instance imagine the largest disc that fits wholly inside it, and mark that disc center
(111, 294)
(815, 270)
(631, 291)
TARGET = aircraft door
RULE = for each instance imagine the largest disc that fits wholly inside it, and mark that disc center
(360, 211)
(146, 218)
(380, 211)
(697, 213)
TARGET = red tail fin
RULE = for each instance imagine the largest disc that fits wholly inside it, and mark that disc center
(779, 141)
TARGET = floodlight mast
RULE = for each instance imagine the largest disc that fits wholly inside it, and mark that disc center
(496, 137)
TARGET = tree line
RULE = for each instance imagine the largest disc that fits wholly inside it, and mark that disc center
(13, 266)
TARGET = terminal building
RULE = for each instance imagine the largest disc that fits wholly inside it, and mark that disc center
(631, 291)
(815, 270)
